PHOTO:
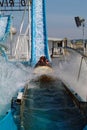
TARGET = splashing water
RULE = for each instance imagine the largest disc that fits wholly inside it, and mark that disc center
(12, 78)
(68, 71)
(15, 76)
(48, 106)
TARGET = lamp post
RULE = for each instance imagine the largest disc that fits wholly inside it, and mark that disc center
(83, 29)
(81, 22)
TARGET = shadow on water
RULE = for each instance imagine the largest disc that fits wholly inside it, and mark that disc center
(47, 106)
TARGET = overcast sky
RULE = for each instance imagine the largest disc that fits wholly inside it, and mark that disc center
(60, 18)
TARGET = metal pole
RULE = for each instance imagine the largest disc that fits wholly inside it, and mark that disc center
(80, 68)
(84, 47)
(29, 34)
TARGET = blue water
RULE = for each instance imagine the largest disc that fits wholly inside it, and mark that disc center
(47, 106)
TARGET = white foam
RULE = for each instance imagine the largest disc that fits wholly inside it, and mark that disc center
(12, 78)
(68, 71)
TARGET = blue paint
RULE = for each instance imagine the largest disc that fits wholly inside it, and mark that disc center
(3, 54)
(5, 25)
(7, 123)
(39, 41)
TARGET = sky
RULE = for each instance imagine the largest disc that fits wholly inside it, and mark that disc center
(60, 18)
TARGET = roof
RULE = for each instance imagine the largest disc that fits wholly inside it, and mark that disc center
(55, 39)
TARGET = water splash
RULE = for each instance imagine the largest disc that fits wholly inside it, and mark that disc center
(48, 106)
(12, 78)
(68, 71)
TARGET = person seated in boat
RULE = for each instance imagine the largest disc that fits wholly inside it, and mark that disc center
(47, 63)
(43, 62)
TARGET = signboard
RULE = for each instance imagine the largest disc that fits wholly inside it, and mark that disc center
(13, 5)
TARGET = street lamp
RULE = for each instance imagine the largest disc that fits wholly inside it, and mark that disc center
(81, 22)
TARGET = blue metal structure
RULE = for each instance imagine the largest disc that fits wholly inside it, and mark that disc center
(7, 123)
(3, 53)
(5, 25)
(39, 42)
